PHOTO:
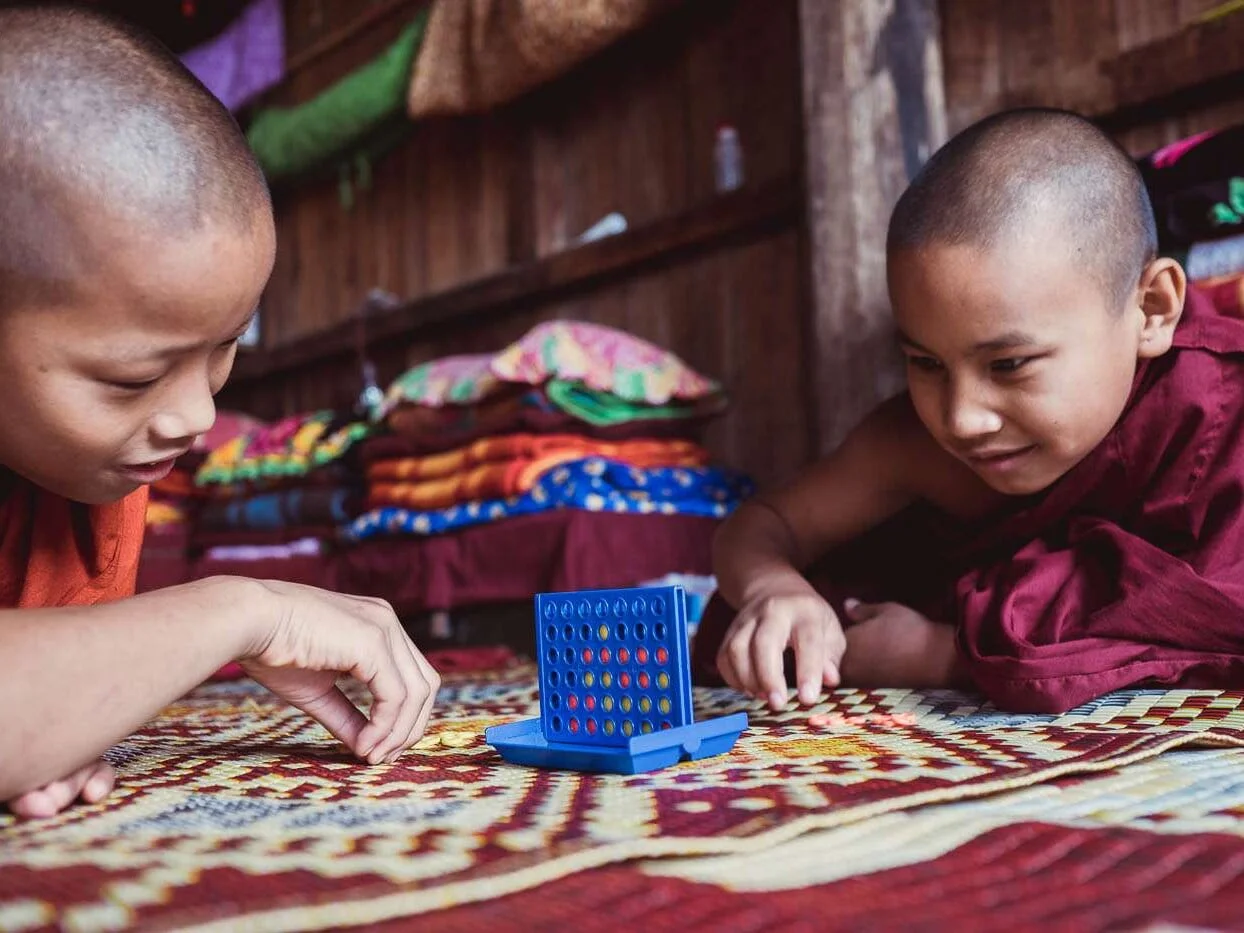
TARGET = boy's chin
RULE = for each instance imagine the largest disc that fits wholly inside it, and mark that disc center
(103, 491)
(1020, 484)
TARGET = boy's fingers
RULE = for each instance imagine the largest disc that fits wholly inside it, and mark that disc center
(100, 783)
(334, 711)
(50, 800)
(768, 648)
(433, 681)
(415, 692)
(860, 612)
(810, 654)
(35, 804)
(389, 696)
(831, 676)
(428, 683)
(734, 659)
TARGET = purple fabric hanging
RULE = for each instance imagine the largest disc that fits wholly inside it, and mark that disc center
(244, 60)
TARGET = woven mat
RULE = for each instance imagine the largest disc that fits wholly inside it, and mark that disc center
(235, 811)
(1157, 844)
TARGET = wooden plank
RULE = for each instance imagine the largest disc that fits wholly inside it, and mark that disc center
(370, 16)
(768, 389)
(413, 216)
(736, 217)
(873, 112)
(1200, 64)
(973, 61)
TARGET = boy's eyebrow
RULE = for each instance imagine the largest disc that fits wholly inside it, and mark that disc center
(127, 355)
(1004, 341)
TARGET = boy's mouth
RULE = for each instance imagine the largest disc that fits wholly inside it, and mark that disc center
(999, 459)
(146, 473)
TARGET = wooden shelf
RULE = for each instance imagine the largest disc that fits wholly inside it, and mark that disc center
(1201, 64)
(737, 217)
(1196, 65)
(339, 37)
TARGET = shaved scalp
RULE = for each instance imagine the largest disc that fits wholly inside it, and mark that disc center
(1000, 175)
(99, 121)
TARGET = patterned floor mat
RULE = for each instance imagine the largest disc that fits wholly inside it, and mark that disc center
(1157, 845)
(235, 810)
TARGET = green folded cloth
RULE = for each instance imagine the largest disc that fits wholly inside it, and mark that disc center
(604, 408)
(292, 140)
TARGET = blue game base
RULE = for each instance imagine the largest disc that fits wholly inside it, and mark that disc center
(523, 743)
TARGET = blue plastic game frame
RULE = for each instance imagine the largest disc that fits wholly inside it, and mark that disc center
(615, 686)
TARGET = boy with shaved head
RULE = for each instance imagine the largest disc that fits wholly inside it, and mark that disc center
(136, 236)
(1055, 507)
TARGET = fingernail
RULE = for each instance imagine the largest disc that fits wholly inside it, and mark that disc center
(777, 698)
(850, 604)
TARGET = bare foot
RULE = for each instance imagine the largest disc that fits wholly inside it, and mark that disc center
(92, 784)
(893, 646)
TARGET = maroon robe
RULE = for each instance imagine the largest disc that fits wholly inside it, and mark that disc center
(1127, 572)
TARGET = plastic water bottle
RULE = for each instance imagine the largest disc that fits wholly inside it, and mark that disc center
(728, 159)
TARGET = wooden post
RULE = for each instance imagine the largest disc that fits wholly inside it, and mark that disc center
(874, 110)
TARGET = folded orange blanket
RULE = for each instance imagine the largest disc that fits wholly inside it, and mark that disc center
(510, 447)
(515, 476)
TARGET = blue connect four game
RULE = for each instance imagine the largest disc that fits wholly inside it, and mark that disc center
(615, 686)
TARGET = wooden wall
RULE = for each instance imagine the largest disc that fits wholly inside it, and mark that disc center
(472, 222)
(1150, 70)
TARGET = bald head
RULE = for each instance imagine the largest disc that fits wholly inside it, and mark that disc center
(998, 178)
(101, 126)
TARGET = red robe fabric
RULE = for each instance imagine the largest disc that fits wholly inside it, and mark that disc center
(54, 552)
(1128, 572)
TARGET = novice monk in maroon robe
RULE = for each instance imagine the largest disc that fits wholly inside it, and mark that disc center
(1055, 508)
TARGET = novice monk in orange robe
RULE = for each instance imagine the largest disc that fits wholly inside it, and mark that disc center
(1055, 507)
(136, 235)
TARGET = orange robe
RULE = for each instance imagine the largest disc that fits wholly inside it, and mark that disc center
(54, 552)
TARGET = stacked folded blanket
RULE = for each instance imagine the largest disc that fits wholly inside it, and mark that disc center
(572, 415)
(1197, 189)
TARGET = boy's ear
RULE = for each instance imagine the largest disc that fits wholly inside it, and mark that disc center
(1161, 295)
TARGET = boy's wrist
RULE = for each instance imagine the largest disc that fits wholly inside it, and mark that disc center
(783, 581)
(238, 607)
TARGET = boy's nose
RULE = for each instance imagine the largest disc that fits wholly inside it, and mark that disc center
(969, 418)
(192, 414)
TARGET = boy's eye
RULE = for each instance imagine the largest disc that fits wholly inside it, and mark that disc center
(136, 385)
(1010, 365)
(923, 363)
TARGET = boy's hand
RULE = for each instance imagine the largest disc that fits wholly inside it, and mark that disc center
(752, 652)
(314, 637)
(91, 784)
(892, 645)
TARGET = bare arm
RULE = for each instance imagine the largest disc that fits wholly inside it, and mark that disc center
(768, 540)
(76, 680)
(79, 679)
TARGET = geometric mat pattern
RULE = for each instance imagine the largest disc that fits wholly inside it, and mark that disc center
(235, 812)
(1156, 845)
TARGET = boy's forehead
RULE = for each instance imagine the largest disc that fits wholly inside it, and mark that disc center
(134, 250)
(170, 289)
(994, 291)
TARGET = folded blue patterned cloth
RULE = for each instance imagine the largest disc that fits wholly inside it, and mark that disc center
(594, 483)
